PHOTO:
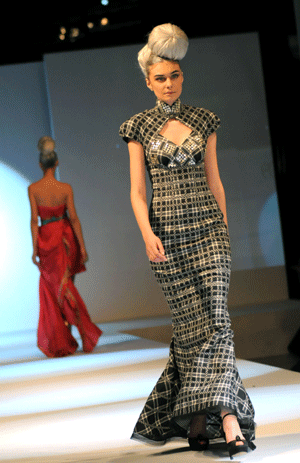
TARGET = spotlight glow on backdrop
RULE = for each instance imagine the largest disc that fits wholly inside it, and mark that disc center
(18, 275)
(269, 229)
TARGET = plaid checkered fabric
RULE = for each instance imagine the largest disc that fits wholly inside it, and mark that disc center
(201, 374)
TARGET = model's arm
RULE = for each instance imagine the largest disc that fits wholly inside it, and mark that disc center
(138, 196)
(33, 224)
(76, 225)
(212, 174)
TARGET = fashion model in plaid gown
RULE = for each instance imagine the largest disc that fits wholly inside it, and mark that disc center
(188, 246)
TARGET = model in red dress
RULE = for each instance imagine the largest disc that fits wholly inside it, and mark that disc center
(59, 252)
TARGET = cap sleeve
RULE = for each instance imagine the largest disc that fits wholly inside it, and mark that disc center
(213, 123)
(129, 130)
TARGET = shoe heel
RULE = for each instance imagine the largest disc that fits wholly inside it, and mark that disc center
(199, 443)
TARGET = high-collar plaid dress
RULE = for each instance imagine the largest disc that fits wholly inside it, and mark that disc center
(201, 374)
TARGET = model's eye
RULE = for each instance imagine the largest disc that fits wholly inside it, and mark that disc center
(164, 78)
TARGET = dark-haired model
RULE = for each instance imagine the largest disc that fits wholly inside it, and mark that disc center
(59, 252)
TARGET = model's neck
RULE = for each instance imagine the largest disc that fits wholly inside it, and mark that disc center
(49, 173)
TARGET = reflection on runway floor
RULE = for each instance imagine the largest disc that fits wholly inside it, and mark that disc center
(83, 408)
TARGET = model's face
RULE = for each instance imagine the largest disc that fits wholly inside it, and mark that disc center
(165, 80)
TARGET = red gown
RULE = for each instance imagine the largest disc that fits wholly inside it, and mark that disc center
(60, 302)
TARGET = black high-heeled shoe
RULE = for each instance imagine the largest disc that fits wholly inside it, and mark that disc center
(233, 449)
(232, 446)
(198, 443)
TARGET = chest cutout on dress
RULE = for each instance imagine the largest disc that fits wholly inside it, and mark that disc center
(175, 131)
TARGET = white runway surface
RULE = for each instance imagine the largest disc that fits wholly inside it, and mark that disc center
(83, 408)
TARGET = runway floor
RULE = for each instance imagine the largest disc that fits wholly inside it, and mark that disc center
(83, 408)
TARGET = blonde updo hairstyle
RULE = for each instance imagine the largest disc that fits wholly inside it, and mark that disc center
(48, 157)
(165, 42)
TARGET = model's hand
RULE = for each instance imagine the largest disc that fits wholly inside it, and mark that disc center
(34, 259)
(84, 256)
(154, 249)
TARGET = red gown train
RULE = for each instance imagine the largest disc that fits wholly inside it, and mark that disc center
(60, 303)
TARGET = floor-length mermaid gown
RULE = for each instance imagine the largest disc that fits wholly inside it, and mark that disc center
(60, 302)
(201, 375)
